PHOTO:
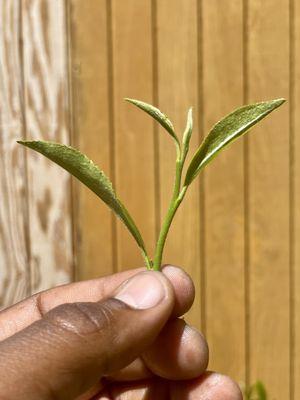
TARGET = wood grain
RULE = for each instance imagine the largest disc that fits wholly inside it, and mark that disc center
(65, 66)
(224, 190)
(177, 73)
(14, 267)
(46, 113)
(133, 130)
(295, 197)
(268, 77)
(90, 94)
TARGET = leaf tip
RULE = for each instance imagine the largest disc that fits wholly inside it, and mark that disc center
(28, 142)
(24, 142)
(129, 100)
(279, 101)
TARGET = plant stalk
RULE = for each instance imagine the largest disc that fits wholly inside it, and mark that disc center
(177, 198)
(148, 261)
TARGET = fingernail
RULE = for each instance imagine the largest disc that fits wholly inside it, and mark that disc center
(142, 291)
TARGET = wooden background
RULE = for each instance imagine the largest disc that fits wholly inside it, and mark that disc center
(65, 67)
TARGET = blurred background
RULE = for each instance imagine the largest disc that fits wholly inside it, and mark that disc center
(65, 67)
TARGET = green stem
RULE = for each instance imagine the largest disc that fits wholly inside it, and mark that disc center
(148, 261)
(177, 198)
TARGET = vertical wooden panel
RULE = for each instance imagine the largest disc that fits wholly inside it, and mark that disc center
(268, 77)
(46, 103)
(224, 190)
(112, 57)
(177, 91)
(133, 130)
(89, 69)
(14, 268)
(295, 200)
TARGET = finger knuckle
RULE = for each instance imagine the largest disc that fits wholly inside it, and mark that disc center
(84, 318)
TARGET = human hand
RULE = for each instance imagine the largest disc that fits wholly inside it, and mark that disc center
(99, 340)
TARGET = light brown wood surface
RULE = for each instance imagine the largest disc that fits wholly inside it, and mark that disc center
(45, 71)
(224, 189)
(14, 263)
(295, 200)
(91, 118)
(268, 211)
(133, 132)
(177, 90)
(65, 67)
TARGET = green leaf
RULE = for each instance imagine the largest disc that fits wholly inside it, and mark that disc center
(260, 391)
(227, 130)
(157, 115)
(80, 166)
(188, 131)
(257, 392)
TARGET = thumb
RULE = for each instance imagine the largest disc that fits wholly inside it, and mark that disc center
(72, 346)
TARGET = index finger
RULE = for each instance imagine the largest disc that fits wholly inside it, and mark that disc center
(24, 313)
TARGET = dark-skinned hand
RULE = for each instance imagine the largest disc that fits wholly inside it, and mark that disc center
(114, 338)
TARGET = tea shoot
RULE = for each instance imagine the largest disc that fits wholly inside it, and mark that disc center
(220, 136)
